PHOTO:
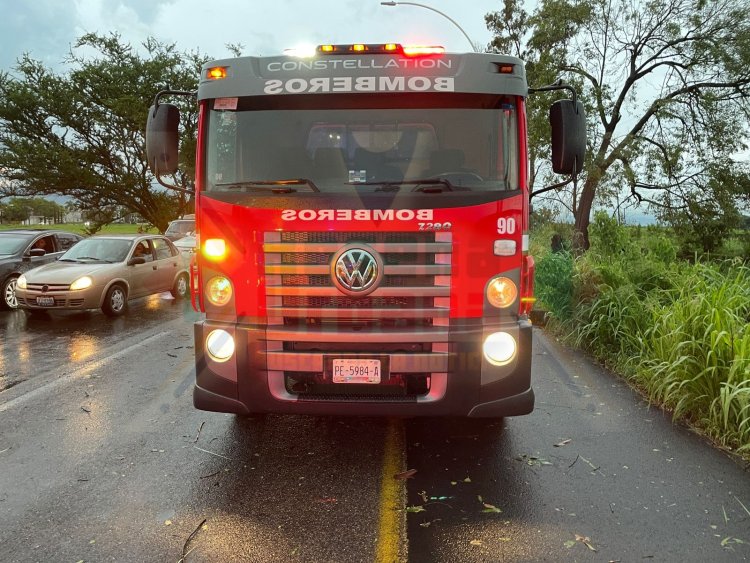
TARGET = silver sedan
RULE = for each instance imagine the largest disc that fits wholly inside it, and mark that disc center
(105, 272)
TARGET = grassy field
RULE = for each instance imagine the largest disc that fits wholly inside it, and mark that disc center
(679, 331)
(115, 228)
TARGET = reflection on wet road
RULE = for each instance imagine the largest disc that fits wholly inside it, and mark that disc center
(33, 344)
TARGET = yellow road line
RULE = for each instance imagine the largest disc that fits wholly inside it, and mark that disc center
(392, 522)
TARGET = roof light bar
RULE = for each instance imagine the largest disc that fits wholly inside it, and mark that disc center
(379, 49)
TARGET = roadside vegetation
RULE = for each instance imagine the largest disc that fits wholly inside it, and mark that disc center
(679, 330)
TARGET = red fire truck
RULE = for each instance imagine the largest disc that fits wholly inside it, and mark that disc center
(362, 214)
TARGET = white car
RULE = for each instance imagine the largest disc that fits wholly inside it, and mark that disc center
(187, 244)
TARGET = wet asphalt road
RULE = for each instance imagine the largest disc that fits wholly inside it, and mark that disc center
(103, 458)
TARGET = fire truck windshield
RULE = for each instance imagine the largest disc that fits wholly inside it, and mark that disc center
(333, 149)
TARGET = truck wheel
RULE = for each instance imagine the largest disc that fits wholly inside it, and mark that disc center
(9, 300)
(115, 302)
(181, 287)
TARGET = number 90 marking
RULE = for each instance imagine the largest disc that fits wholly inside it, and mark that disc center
(506, 226)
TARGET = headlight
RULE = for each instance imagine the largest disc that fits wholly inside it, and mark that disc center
(499, 348)
(81, 283)
(219, 291)
(501, 292)
(21, 282)
(220, 345)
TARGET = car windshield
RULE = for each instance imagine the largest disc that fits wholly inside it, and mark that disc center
(470, 143)
(180, 227)
(99, 250)
(12, 244)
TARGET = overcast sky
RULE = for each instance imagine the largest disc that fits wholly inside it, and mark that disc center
(46, 28)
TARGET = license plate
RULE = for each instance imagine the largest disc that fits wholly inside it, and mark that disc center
(351, 370)
(45, 301)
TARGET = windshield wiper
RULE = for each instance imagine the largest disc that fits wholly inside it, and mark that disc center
(67, 260)
(276, 186)
(427, 185)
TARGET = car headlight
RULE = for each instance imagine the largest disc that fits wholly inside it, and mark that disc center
(220, 345)
(499, 348)
(501, 292)
(219, 291)
(82, 283)
(21, 282)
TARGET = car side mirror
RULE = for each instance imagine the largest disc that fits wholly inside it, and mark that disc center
(136, 260)
(37, 252)
(162, 136)
(568, 122)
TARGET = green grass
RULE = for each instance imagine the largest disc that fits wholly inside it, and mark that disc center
(679, 331)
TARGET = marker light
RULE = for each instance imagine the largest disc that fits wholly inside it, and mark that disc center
(219, 291)
(216, 73)
(220, 345)
(417, 50)
(358, 48)
(21, 282)
(327, 48)
(499, 348)
(215, 249)
(81, 283)
(501, 292)
(504, 68)
(390, 47)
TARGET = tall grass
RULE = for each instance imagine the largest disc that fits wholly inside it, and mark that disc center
(679, 331)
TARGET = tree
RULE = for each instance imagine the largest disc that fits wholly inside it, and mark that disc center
(82, 134)
(667, 84)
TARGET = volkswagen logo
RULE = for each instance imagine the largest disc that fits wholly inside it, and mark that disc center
(356, 269)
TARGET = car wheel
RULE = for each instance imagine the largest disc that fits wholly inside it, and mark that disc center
(9, 293)
(115, 302)
(181, 287)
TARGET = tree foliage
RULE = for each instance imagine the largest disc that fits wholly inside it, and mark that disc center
(82, 133)
(667, 88)
(18, 209)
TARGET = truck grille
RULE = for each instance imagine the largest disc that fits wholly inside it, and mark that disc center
(405, 317)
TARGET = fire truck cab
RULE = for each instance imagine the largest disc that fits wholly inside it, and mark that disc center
(363, 216)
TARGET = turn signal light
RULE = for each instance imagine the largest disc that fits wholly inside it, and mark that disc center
(215, 249)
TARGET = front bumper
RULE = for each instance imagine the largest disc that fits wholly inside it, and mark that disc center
(89, 298)
(460, 381)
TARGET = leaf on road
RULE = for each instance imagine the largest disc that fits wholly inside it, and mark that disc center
(729, 540)
(476, 542)
(585, 540)
(415, 508)
(570, 543)
(467, 480)
(408, 474)
(490, 508)
(532, 460)
(563, 443)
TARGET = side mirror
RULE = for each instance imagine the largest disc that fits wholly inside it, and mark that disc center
(37, 252)
(568, 122)
(162, 136)
(136, 260)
